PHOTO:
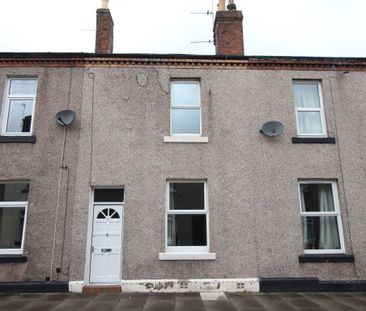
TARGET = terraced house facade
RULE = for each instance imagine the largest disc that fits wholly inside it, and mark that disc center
(165, 181)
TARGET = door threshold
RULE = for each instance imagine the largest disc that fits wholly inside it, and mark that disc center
(102, 288)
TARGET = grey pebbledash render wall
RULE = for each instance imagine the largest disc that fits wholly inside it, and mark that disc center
(254, 214)
(122, 106)
(40, 163)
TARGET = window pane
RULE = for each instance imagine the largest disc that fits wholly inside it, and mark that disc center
(11, 226)
(317, 198)
(186, 121)
(186, 196)
(14, 192)
(309, 122)
(23, 87)
(185, 94)
(20, 116)
(187, 230)
(320, 232)
(306, 95)
(108, 195)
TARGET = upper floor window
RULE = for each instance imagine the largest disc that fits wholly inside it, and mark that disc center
(185, 114)
(18, 108)
(320, 217)
(13, 211)
(309, 108)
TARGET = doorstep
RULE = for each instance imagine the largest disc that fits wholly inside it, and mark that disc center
(98, 289)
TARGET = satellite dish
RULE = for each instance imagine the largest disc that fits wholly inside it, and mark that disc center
(272, 128)
(65, 117)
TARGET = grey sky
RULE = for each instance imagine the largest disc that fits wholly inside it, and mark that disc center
(281, 27)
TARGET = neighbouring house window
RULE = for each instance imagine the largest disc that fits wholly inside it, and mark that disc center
(187, 223)
(320, 217)
(18, 108)
(13, 210)
(309, 108)
(185, 108)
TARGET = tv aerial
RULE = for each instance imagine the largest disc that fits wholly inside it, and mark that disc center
(272, 128)
(65, 117)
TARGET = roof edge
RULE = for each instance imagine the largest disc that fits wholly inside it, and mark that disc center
(179, 60)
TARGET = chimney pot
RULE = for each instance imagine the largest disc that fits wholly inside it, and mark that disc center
(104, 4)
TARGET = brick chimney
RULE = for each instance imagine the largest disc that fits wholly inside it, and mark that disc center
(228, 30)
(104, 34)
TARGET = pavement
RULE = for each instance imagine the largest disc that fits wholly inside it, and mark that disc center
(186, 302)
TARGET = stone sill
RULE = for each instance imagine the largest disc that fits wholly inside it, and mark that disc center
(18, 139)
(316, 258)
(187, 256)
(185, 139)
(313, 140)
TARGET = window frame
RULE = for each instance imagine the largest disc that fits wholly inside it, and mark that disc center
(186, 249)
(320, 109)
(16, 204)
(6, 106)
(172, 107)
(336, 213)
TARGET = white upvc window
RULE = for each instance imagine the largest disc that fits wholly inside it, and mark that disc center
(309, 108)
(320, 217)
(185, 108)
(13, 213)
(18, 107)
(186, 220)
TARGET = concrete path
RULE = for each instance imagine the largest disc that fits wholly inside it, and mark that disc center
(184, 302)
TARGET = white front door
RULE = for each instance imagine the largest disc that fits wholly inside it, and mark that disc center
(106, 244)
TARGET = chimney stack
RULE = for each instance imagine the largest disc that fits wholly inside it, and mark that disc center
(104, 34)
(228, 30)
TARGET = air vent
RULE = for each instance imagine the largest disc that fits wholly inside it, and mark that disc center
(240, 285)
(183, 284)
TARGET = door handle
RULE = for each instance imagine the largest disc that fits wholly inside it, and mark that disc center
(106, 250)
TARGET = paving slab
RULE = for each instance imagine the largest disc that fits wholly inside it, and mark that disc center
(132, 302)
(53, 297)
(108, 297)
(209, 296)
(69, 304)
(351, 301)
(39, 306)
(191, 302)
(330, 304)
(244, 302)
(14, 304)
(361, 296)
(219, 306)
(100, 305)
(274, 303)
(159, 302)
(6, 296)
(303, 303)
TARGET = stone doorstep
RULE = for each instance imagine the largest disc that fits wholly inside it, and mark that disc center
(98, 289)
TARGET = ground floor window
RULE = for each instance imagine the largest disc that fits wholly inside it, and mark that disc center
(13, 210)
(187, 216)
(320, 218)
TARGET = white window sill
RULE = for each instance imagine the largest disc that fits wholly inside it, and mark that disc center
(187, 256)
(185, 139)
